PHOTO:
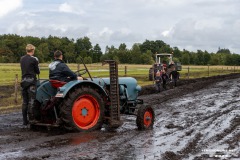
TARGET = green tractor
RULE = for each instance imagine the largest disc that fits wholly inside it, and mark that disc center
(85, 105)
(160, 64)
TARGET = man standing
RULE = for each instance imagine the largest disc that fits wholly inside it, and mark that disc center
(158, 81)
(58, 70)
(174, 75)
(29, 67)
(164, 79)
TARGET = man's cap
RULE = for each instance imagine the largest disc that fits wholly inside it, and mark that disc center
(57, 54)
(30, 47)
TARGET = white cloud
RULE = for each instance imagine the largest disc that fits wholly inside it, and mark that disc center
(67, 8)
(125, 31)
(167, 33)
(28, 14)
(25, 26)
(203, 34)
(214, 23)
(7, 6)
(106, 32)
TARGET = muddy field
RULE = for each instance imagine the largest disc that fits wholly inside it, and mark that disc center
(200, 119)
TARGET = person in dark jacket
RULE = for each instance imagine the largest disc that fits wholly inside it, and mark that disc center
(29, 68)
(58, 70)
(174, 76)
(165, 78)
(158, 81)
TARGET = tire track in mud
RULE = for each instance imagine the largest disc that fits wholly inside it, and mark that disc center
(196, 145)
(190, 148)
(187, 83)
(186, 87)
(199, 142)
(230, 109)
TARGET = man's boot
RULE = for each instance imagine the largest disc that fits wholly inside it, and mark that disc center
(32, 96)
(30, 112)
(25, 113)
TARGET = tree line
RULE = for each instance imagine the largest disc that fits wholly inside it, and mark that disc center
(12, 47)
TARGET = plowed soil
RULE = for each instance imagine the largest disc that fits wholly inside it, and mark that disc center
(199, 119)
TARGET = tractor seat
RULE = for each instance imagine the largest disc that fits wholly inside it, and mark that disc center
(57, 83)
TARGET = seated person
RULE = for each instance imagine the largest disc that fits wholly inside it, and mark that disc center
(58, 70)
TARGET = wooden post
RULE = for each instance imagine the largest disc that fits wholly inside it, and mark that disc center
(125, 71)
(208, 70)
(188, 72)
(16, 89)
(78, 66)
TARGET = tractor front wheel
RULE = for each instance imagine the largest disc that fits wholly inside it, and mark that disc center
(83, 110)
(145, 117)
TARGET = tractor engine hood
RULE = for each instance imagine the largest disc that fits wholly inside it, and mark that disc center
(128, 83)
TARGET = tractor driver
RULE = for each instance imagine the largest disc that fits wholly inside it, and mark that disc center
(58, 70)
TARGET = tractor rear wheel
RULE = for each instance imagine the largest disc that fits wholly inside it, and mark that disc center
(82, 110)
(145, 117)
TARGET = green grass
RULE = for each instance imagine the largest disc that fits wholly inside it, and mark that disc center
(8, 71)
(140, 72)
(7, 100)
(203, 71)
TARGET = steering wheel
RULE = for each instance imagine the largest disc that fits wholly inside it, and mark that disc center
(81, 72)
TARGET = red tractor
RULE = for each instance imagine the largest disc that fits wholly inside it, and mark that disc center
(160, 65)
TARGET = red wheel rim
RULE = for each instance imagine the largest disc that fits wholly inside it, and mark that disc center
(147, 118)
(86, 112)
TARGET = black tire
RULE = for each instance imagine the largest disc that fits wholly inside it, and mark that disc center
(145, 111)
(78, 99)
(37, 110)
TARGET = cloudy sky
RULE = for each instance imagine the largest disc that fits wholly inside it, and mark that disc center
(187, 24)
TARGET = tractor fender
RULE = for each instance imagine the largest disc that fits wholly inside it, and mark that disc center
(64, 90)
